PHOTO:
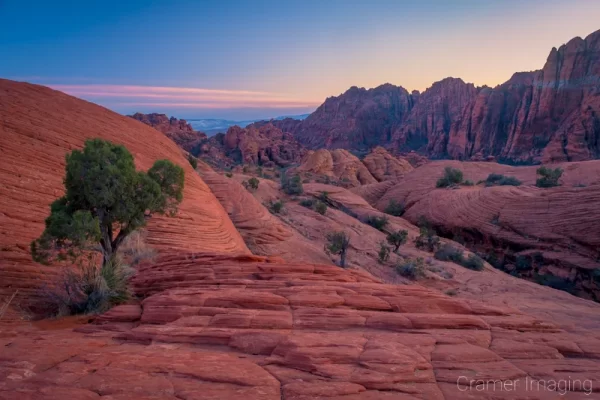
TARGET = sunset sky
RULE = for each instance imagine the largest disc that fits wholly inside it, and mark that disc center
(260, 59)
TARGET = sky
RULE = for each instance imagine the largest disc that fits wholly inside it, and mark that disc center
(261, 59)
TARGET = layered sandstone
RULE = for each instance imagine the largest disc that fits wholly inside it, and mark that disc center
(178, 130)
(339, 164)
(549, 115)
(384, 166)
(38, 126)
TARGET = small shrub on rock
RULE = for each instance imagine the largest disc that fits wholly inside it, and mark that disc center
(376, 222)
(548, 177)
(451, 177)
(501, 180)
(411, 269)
(395, 208)
(253, 183)
(384, 253)
(193, 161)
(308, 203)
(275, 207)
(397, 239)
(473, 262)
(338, 243)
(228, 174)
(427, 239)
(292, 185)
(321, 207)
(449, 253)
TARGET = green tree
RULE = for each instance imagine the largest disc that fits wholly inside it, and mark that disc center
(548, 177)
(397, 239)
(338, 243)
(105, 200)
(384, 253)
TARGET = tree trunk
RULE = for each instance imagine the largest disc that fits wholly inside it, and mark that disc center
(343, 259)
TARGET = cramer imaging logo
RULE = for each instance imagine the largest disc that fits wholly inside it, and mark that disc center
(561, 386)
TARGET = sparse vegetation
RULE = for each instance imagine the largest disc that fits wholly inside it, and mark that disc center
(193, 161)
(253, 183)
(324, 196)
(412, 269)
(106, 200)
(291, 186)
(451, 177)
(451, 292)
(275, 207)
(395, 208)
(548, 177)
(397, 239)
(468, 183)
(501, 180)
(473, 262)
(228, 174)
(449, 253)
(376, 222)
(321, 207)
(308, 203)
(384, 253)
(337, 244)
(427, 239)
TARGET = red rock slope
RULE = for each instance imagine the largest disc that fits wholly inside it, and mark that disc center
(38, 126)
(245, 328)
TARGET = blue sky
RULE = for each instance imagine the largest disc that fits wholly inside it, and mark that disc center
(242, 59)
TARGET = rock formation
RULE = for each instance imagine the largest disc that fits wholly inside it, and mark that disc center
(549, 115)
(38, 126)
(177, 130)
(384, 166)
(339, 164)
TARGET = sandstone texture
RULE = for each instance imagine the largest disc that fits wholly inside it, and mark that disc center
(177, 130)
(340, 165)
(38, 126)
(223, 327)
(549, 115)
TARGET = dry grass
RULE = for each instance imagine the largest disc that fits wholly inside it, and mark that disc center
(7, 304)
(134, 249)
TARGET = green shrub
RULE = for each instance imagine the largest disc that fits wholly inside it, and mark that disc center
(275, 207)
(291, 186)
(321, 207)
(228, 174)
(324, 196)
(397, 239)
(548, 177)
(501, 180)
(468, 183)
(338, 243)
(427, 239)
(473, 262)
(193, 161)
(451, 292)
(308, 203)
(449, 253)
(411, 269)
(395, 208)
(253, 183)
(451, 177)
(376, 222)
(384, 253)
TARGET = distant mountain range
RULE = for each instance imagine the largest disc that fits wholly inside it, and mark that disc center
(212, 126)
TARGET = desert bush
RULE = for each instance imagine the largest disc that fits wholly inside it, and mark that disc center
(473, 262)
(548, 177)
(451, 292)
(308, 203)
(193, 161)
(292, 185)
(384, 253)
(229, 174)
(275, 207)
(468, 182)
(338, 243)
(451, 177)
(324, 196)
(427, 239)
(397, 239)
(411, 269)
(253, 183)
(376, 222)
(395, 208)
(449, 253)
(501, 180)
(321, 207)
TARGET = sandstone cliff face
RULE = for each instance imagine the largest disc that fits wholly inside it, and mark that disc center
(263, 144)
(177, 130)
(548, 115)
(38, 126)
(358, 119)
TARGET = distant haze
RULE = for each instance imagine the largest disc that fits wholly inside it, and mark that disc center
(212, 126)
(238, 61)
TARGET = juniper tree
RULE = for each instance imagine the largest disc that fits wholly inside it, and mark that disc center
(105, 200)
